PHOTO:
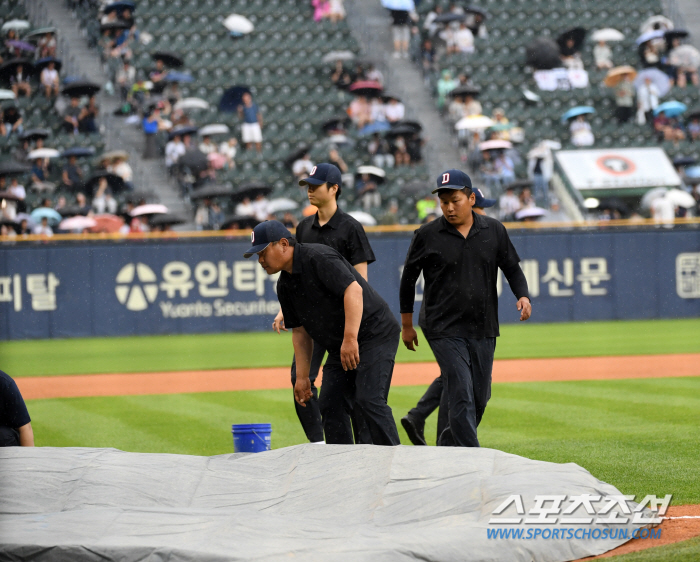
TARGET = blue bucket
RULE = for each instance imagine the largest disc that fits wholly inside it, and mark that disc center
(251, 437)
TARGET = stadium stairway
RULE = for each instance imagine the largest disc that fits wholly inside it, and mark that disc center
(149, 175)
(370, 24)
(686, 14)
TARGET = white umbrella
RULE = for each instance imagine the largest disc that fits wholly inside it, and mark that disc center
(214, 129)
(531, 96)
(43, 153)
(681, 198)
(686, 56)
(338, 55)
(149, 209)
(650, 23)
(281, 204)
(372, 170)
(473, 123)
(15, 24)
(530, 212)
(7, 95)
(365, 219)
(607, 34)
(238, 24)
(495, 144)
(77, 223)
(652, 194)
(192, 103)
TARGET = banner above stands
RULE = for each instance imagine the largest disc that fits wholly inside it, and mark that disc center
(561, 79)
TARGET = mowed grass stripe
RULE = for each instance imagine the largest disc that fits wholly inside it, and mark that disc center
(266, 349)
(639, 435)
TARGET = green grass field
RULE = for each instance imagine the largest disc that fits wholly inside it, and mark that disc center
(225, 351)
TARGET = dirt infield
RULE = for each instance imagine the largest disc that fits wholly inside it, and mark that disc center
(405, 374)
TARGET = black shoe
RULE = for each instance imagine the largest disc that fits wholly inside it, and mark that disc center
(414, 429)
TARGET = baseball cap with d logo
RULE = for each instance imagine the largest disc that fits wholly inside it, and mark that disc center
(452, 179)
(323, 173)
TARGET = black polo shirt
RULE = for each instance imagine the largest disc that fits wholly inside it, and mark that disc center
(460, 298)
(342, 233)
(13, 411)
(312, 296)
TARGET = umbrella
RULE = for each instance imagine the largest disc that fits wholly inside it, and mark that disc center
(365, 219)
(180, 77)
(232, 98)
(576, 111)
(398, 130)
(681, 198)
(281, 204)
(529, 95)
(366, 88)
(149, 209)
(214, 129)
(295, 155)
(211, 191)
(670, 34)
(192, 103)
(169, 59)
(7, 94)
(449, 18)
(474, 123)
(335, 123)
(107, 223)
(615, 75)
(652, 194)
(166, 219)
(115, 182)
(658, 78)
(41, 64)
(519, 184)
(81, 88)
(578, 34)
(18, 25)
(378, 174)
(43, 153)
(496, 144)
(78, 151)
(650, 35)
(13, 168)
(119, 24)
(656, 22)
(113, 155)
(34, 134)
(77, 223)
(415, 125)
(238, 24)
(7, 196)
(182, 131)
(684, 161)
(476, 10)
(465, 90)
(9, 68)
(119, 6)
(251, 190)
(530, 213)
(195, 160)
(22, 45)
(671, 108)
(338, 55)
(685, 56)
(37, 34)
(241, 222)
(692, 172)
(403, 5)
(44, 212)
(607, 34)
(73, 210)
(543, 54)
(615, 204)
(386, 98)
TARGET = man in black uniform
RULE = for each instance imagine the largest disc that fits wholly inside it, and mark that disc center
(15, 423)
(460, 254)
(332, 227)
(325, 299)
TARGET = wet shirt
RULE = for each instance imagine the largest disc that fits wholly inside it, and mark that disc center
(460, 297)
(312, 296)
(13, 411)
(342, 233)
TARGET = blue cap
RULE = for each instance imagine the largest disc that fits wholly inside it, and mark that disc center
(323, 173)
(481, 201)
(265, 234)
(453, 179)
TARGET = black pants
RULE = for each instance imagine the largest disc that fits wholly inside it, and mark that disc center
(367, 387)
(310, 415)
(624, 113)
(429, 402)
(8, 437)
(465, 364)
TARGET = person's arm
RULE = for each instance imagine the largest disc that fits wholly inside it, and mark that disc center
(278, 322)
(362, 269)
(350, 349)
(260, 119)
(407, 292)
(303, 348)
(26, 435)
(65, 178)
(518, 284)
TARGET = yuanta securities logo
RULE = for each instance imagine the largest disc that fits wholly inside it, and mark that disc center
(138, 287)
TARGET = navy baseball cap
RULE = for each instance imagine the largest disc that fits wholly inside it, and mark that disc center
(323, 173)
(453, 179)
(265, 234)
(481, 201)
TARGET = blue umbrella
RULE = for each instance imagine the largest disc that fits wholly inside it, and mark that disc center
(78, 151)
(232, 98)
(671, 108)
(183, 77)
(649, 35)
(693, 172)
(119, 6)
(576, 111)
(407, 5)
(45, 212)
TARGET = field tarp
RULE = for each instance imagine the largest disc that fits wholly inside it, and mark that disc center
(308, 502)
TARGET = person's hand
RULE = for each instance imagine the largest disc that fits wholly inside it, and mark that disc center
(409, 337)
(278, 323)
(302, 391)
(350, 354)
(525, 308)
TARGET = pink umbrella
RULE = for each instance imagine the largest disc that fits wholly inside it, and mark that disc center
(107, 223)
(495, 144)
(216, 160)
(366, 88)
(150, 209)
(77, 223)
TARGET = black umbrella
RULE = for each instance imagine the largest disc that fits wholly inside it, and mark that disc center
(449, 18)
(73, 211)
(166, 219)
(120, 6)
(232, 98)
(415, 125)
(34, 134)
(211, 191)
(578, 34)
(38, 34)
(239, 222)
(119, 24)
(138, 196)
(78, 152)
(251, 190)
(615, 204)
(335, 123)
(693, 113)
(543, 54)
(115, 182)
(81, 88)
(169, 59)
(41, 64)
(13, 168)
(465, 90)
(400, 130)
(9, 68)
(386, 98)
(691, 181)
(477, 11)
(416, 187)
(519, 184)
(295, 155)
(182, 131)
(195, 160)
(684, 161)
(675, 34)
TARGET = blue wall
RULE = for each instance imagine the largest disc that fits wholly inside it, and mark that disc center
(157, 287)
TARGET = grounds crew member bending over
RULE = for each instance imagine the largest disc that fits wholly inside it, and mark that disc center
(459, 255)
(325, 299)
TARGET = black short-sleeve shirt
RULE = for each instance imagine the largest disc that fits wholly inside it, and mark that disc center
(13, 411)
(312, 296)
(342, 233)
(460, 297)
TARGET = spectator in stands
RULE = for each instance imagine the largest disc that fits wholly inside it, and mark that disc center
(70, 119)
(245, 208)
(322, 9)
(173, 150)
(103, 201)
(428, 60)
(47, 46)
(228, 150)
(289, 220)
(87, 118)
(526, 199)
(368, 193)
(336, 159)
(581, 133)
(18, 191)
(3, 128)
(39, 173)
(82, 204)
(301, 167)
(207, 146)
(429, 24)
(19, 82)
(374, 74)
(401, 32)
(540, 166)
(508, 205)
(49, 80)
(647, 99)
(426, 206)
(505, 169)
(151, 124)
(216, 216)
(668, 129)
(649, 54)
(72, 175)
(414, 146)
(15, 423)
(475, 24)
(125, 78)
(378, 112)
(394, 110)
(624, 99)
(360, 112)
(463, 40)
(401, 155)
(261, 208)
(444, 86)
(570, 56)
(602, 55)
(336, 11)
(252, 123)
(13, 121)
(694, 129)
(157, 76)
(43, 228)
(380, 151)
(121, 168)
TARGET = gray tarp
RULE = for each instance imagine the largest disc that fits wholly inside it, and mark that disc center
(308, 502)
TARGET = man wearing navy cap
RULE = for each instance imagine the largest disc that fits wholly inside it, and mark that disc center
(334, 228)
(325, 299)
(460, 254)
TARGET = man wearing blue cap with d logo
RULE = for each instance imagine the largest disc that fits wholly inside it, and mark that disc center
(459, 255)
